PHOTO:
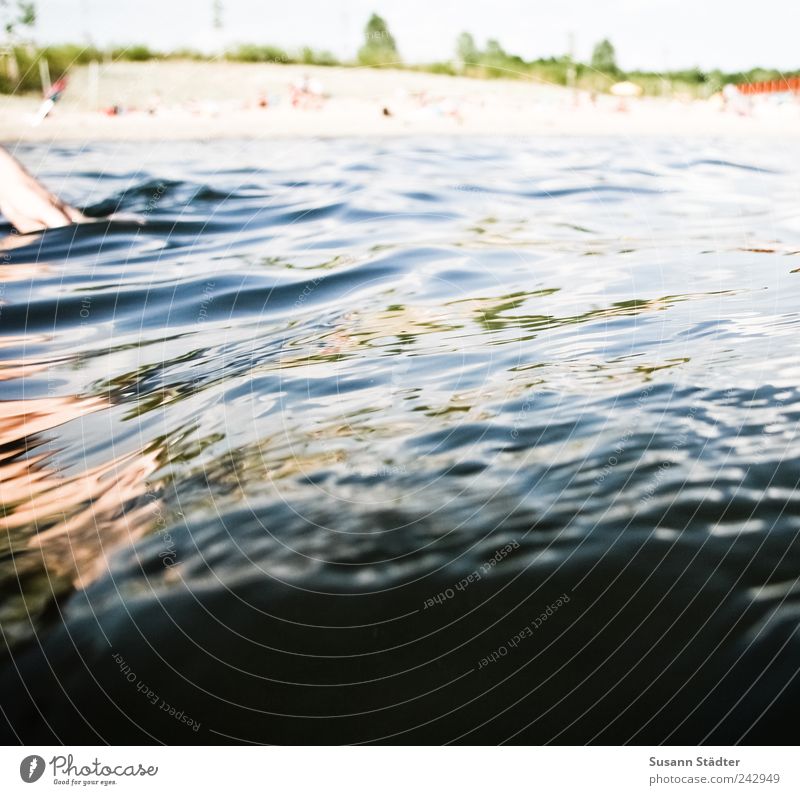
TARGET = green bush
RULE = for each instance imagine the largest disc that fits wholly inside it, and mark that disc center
(317, 57)
(66, 55)
(258, 53)
(187, 54)
(60, 59)
(439, 68)
(380, 48)
(28, 68)
(134, 52)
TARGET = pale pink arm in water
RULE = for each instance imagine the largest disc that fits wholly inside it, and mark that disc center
(26, 204)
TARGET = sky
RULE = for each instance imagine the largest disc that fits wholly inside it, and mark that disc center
(649, 34)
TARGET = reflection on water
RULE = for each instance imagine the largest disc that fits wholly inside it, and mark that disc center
(254, 426)
(60, 527)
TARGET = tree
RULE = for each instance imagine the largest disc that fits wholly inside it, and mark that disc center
(216, 15)
(379, 47)
(14, 15)
(495, 50)
(466, 49)
(604, 58)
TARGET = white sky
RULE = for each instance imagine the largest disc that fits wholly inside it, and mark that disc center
(653, 34)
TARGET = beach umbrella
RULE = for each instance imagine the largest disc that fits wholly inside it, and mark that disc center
(626, 89)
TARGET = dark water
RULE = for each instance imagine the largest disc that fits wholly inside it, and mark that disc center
(405, 441)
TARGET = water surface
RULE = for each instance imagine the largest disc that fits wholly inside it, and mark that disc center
(349, 441)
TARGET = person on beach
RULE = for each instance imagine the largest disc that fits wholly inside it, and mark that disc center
(52, 95)
(26, 204)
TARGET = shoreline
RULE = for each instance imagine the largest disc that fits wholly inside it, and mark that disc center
(182, 101)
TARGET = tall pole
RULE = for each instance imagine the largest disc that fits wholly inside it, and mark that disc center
(666, 83)
(572, 72)
(217, 23)
(93, 90)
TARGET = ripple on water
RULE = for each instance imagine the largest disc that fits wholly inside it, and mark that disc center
(315, 387)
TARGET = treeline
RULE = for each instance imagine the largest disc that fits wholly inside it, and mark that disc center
(599, 74)
(380, 50)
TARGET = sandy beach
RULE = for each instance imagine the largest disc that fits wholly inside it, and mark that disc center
(186, 100)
